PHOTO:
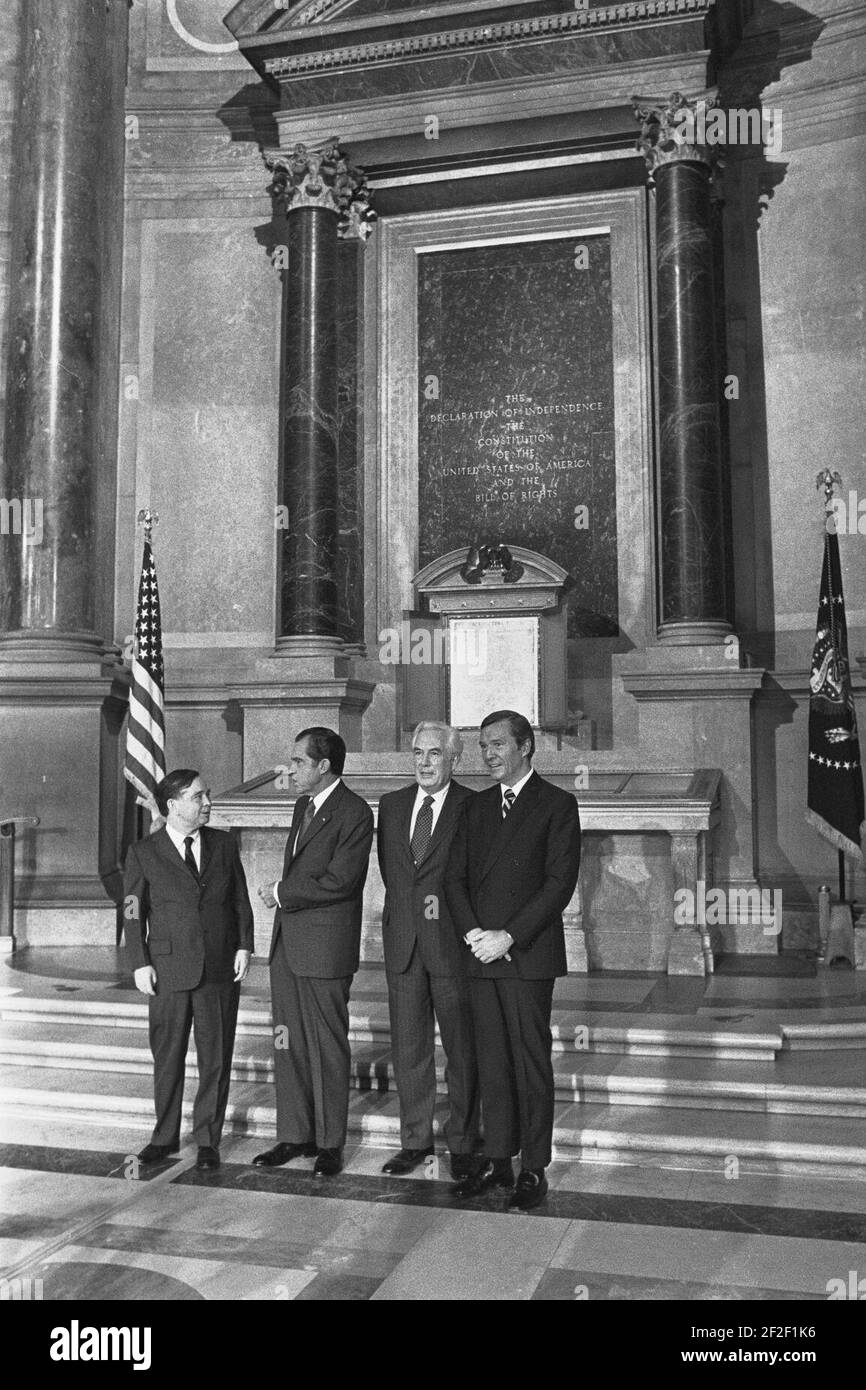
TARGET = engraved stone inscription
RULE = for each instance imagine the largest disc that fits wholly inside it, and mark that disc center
(516, 416)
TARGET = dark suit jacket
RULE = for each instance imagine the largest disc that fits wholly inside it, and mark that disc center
(321, 892)
(177, 924)
(409, 915)
(516, 875)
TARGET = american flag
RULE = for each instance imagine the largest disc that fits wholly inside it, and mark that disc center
(144, 765)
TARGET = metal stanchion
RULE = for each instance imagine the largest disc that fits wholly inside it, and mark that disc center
(7, 879)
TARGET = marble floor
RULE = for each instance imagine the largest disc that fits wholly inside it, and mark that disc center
(81, 1221)
(801, 986)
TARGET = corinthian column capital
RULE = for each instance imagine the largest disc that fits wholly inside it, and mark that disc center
(674, 129)
(322, 177)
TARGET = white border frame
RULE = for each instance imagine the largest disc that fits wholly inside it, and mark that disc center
(391, 531)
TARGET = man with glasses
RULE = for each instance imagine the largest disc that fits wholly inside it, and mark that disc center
(189, 933)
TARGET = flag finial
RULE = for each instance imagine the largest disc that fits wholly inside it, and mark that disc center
(148, 520)
(828, 480)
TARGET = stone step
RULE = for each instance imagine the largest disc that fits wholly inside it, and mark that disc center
(369, 1022)
(824, 1036)
(825, 1084)
(736, 1144)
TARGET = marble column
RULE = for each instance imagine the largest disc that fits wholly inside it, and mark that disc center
(693, 507)
(322, 198)
(61, 403)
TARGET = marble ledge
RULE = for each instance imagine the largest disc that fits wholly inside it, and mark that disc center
(683, 686)
(377, 116)
(796, 682)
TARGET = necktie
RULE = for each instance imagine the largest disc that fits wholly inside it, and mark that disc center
(423, 832)
(189, 857)
(509, 796)
(309, 815)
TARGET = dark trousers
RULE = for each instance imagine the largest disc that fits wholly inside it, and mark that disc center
(513, 1040)
(311, 1056)
(413, 997)
(212, 1011)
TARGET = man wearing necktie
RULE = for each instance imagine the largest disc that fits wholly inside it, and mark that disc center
(423, 962)
(189, 932)
(315, 950)
(512, 870)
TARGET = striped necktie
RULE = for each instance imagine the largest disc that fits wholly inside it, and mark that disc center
(509, 796)
(423, 832)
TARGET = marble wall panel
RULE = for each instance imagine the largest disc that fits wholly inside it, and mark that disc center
(813, 274)
(207, 445)
(44, 773)
(207, 738)
(626, 891)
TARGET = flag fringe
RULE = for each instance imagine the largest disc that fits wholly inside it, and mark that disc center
(835, 836)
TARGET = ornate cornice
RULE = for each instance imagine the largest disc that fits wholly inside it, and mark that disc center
(668, 129)
(479, 36)
(310, 13)
(321, 178)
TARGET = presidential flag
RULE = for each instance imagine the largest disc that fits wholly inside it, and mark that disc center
(835, 798)
(144, 764)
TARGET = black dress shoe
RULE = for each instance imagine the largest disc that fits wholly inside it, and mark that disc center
(282, 1153)
(530, 1190)
(207, 1157)
(329, 1163)
(406, 1160)
(464, 1165)
(493, 1173)
(155, 1153)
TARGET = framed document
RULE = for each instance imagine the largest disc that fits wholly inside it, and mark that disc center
(493, 664)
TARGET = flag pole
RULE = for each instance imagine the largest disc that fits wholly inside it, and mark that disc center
(829, 480)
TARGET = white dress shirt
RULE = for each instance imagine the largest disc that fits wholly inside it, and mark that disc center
(177, 838)
(517, 788)
(438, 803)
(321, 797)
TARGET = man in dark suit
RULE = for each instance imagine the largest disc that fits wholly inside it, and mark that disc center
(423, 956)
(189, 933)
(314, 954)
(512, 870)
